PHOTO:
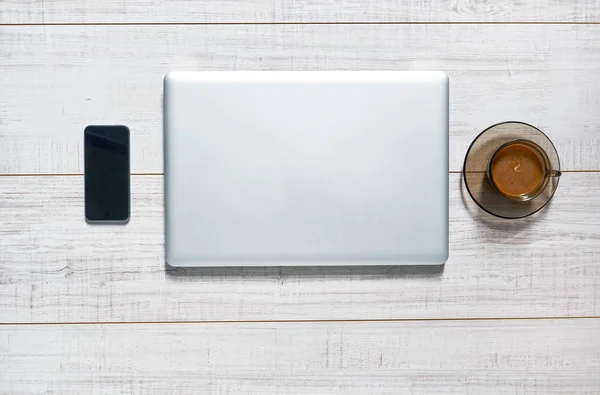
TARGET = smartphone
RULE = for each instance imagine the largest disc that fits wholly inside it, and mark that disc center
(107, 174)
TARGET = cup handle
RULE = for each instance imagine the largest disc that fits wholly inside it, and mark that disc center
(554, 173)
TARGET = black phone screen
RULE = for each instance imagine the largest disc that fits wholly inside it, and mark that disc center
(106, 155)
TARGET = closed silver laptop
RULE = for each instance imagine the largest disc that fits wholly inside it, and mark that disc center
(306, 168)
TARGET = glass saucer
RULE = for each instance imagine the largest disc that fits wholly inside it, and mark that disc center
(476, 170)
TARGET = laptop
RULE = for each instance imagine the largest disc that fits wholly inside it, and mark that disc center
(290, 168)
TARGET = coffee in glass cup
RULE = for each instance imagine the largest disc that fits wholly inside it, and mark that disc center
(520, 170)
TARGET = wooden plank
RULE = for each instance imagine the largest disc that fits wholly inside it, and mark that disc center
(56, 80)
(56, 268)
(461, 357)
(293, 11)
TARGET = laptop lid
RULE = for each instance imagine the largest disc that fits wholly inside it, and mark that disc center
(306, 168)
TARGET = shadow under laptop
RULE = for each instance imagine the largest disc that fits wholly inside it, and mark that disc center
(305, 272)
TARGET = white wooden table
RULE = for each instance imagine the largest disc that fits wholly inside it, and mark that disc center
(93, 309)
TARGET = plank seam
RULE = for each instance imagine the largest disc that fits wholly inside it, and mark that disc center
(162, 174)
(383, 320)
(286, 23)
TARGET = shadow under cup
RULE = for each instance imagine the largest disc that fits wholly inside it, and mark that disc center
(494, 190)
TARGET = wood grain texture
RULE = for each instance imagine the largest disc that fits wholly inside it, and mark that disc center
(290, 11)
(56, 268)
(55, 80)
(494, 357)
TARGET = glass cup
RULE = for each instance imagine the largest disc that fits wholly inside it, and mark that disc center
(511, 170)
